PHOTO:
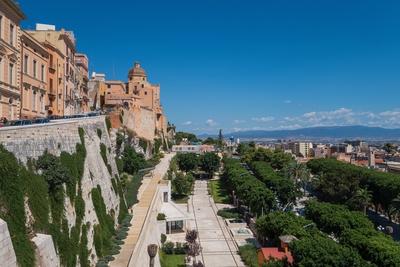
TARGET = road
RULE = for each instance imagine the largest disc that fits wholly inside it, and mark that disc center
(218, 247)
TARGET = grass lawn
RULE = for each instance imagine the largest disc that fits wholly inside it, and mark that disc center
(180, 199)
(219, 194)
(248, 253)
(133, 182)
(172, 260)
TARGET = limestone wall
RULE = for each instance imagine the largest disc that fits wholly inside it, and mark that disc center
(31, 142)
(7, 255)
(142, 122)
(45, 253)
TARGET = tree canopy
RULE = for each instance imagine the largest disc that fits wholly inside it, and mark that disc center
(283, 187)
(179, 136)
(210, 163)
(187, 161)
(248, 188)
(340, 181)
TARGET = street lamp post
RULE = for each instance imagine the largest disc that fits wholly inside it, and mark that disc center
(152, 251)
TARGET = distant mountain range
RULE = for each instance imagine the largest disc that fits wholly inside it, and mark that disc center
(333, 132)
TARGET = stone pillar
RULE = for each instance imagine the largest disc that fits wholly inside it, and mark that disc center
(7, 254)
(45, 252)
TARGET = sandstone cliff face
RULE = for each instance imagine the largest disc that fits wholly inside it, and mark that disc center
(32, 141)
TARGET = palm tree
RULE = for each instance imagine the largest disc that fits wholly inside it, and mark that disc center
(394, 207)
(361, 199)
(300, 174)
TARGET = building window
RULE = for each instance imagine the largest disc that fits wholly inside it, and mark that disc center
(142, 85)
(51, 85)
(42, 74)
(1, 69)
(26, 62)
(41, 103)
(33, 100)
(12, 34)
(145, 93)
(1, 27)
(11, 74)
(35, 68)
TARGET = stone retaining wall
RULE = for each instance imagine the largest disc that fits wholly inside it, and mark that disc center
(31, 142)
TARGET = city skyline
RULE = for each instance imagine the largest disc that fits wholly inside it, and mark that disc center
(238, 67)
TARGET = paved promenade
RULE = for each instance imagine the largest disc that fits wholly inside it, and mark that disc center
(219, 249)
(140, 213)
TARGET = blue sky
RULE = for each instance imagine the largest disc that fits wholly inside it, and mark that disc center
(240, 65)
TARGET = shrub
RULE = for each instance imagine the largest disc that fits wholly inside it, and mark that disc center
(180, 248)
(108, 124)
(168, 248)
(229, 213)
(161, 217)
(248, 253)
(163, 238)
(99, 133)
(103, 153)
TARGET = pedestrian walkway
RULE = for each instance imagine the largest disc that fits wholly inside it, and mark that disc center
(140, 213)
(218, 247)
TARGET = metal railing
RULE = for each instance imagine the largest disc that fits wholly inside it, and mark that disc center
(5, 123)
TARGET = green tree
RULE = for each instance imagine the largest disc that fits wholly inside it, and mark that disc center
(187, 161)
(283, 187)
(53, 171)
(360, 200)
(322, 251)
(182, 184)
(390, 148)
(179, 136)
(299, 173)
(335, 187)
(132, 161)
(210, 163)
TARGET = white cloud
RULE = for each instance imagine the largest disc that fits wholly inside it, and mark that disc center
(239, 121)
(287, 101)
(211, 122)
(187, 123)
(345, 116)
(263, 119)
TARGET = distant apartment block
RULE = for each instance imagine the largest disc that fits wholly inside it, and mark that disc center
(301, 149)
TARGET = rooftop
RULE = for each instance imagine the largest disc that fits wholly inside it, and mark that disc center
(277, 254)
(137, 71)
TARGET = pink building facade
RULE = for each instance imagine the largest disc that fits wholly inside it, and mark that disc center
(34, 89)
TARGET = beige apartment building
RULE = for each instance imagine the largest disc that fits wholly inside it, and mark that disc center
(97, 88)
(10, 60)
(55, 93)
(63, 41)
(82, 79)
(34, 88)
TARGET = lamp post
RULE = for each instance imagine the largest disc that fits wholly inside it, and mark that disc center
(152, 251)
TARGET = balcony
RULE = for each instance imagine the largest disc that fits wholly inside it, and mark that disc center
(52, 94)
(52, 67)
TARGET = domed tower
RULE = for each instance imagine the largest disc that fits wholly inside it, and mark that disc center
(137, 73)
(139, 86)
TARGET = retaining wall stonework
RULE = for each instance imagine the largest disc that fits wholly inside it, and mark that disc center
(32, 141)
